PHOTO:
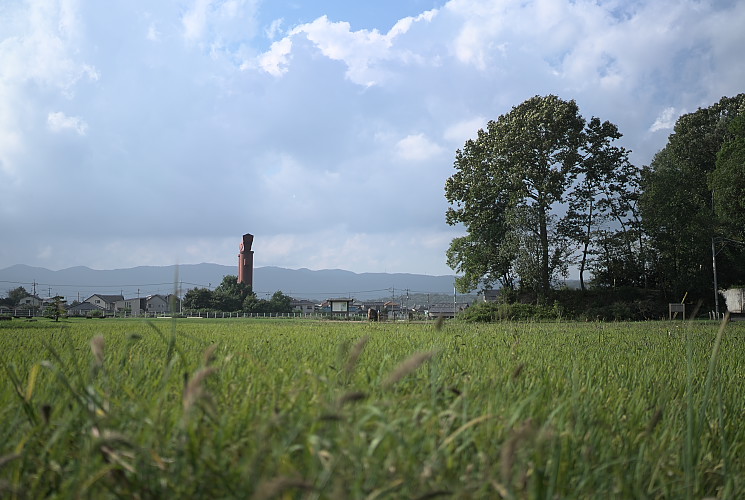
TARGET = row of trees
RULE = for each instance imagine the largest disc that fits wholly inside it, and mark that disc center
(233, 296)
(542, 189)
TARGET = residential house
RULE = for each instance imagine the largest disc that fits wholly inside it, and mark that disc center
(445, 310)
(84, 309)
(29, 302)
(152, 304)
(132, 307)
(157, 304)
(105, 302)
(303, 306)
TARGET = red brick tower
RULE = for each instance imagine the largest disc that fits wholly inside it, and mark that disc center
(246, 261)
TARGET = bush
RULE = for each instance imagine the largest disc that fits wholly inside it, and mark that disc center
(600, 304)
(495, 311)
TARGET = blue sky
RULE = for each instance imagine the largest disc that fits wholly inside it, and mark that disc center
(153, 133)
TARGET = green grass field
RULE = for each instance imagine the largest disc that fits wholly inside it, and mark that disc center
(310, 409)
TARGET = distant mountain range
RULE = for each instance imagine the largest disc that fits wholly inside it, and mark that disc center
(79, 283)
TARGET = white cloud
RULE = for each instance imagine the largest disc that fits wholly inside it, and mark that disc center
(195, 20)
(276, 60)
(417, 147)
(363, 52)
(152, 33)
(460, 132)
(58, 122)
(665, 120)
(274, 29)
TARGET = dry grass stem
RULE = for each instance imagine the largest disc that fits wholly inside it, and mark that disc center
(351, 397)
(97, 345)
(354, 355)
(278, 485)
(510, 447)
(195, 390)
(208, 357)
(408, 366)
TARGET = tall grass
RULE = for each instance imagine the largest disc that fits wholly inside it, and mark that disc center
(294, 409)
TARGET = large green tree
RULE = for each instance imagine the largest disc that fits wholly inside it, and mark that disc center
(509, 188)
(676, 204)
(198, 298)
(602, 209)
(230, 294)
(727, 182)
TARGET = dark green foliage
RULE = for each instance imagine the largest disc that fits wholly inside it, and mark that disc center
(231, 296)
(613, 304)
(596, 304)
(485, 312)
(727, 181)
(676, 204)
(198, 299)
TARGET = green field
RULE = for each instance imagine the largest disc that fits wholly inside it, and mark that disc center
(319, 409)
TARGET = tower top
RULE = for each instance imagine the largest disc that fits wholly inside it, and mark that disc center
(248, 240)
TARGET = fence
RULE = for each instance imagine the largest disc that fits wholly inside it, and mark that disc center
(28, 313)
(20, 313)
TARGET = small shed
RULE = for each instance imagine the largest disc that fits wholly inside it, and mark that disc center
(491, 295)
(735, 299)
(340, 306)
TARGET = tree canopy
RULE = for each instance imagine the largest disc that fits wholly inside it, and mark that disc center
(691, 200)
(231, 296)
(511, 187)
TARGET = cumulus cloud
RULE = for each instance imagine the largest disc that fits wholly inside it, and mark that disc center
(58, 122)
(460, 132)
(240, 122)
(276, 60)
(665, 120)
(417, 147)
(362, 51)
(274, 29)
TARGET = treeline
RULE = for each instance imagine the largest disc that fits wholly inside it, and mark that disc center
(231, 296)
(542, 190)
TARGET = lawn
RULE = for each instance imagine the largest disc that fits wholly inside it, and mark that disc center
(253, 408)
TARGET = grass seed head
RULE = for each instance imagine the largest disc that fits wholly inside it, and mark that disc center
(208, 357)
(407, 367)
(352, 397)
(354, 355)
(97, 344)
(278, 485)
(195, 391)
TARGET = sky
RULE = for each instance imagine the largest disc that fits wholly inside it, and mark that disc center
(139, 133)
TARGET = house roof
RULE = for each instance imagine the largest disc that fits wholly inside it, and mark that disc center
(84, 306)
(106, 298)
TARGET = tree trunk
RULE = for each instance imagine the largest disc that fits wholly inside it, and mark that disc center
(585, 249)
(545, 281)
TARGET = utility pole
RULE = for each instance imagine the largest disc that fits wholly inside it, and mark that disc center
(716, 286)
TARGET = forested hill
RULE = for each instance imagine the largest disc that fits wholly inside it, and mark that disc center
(82, 282)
